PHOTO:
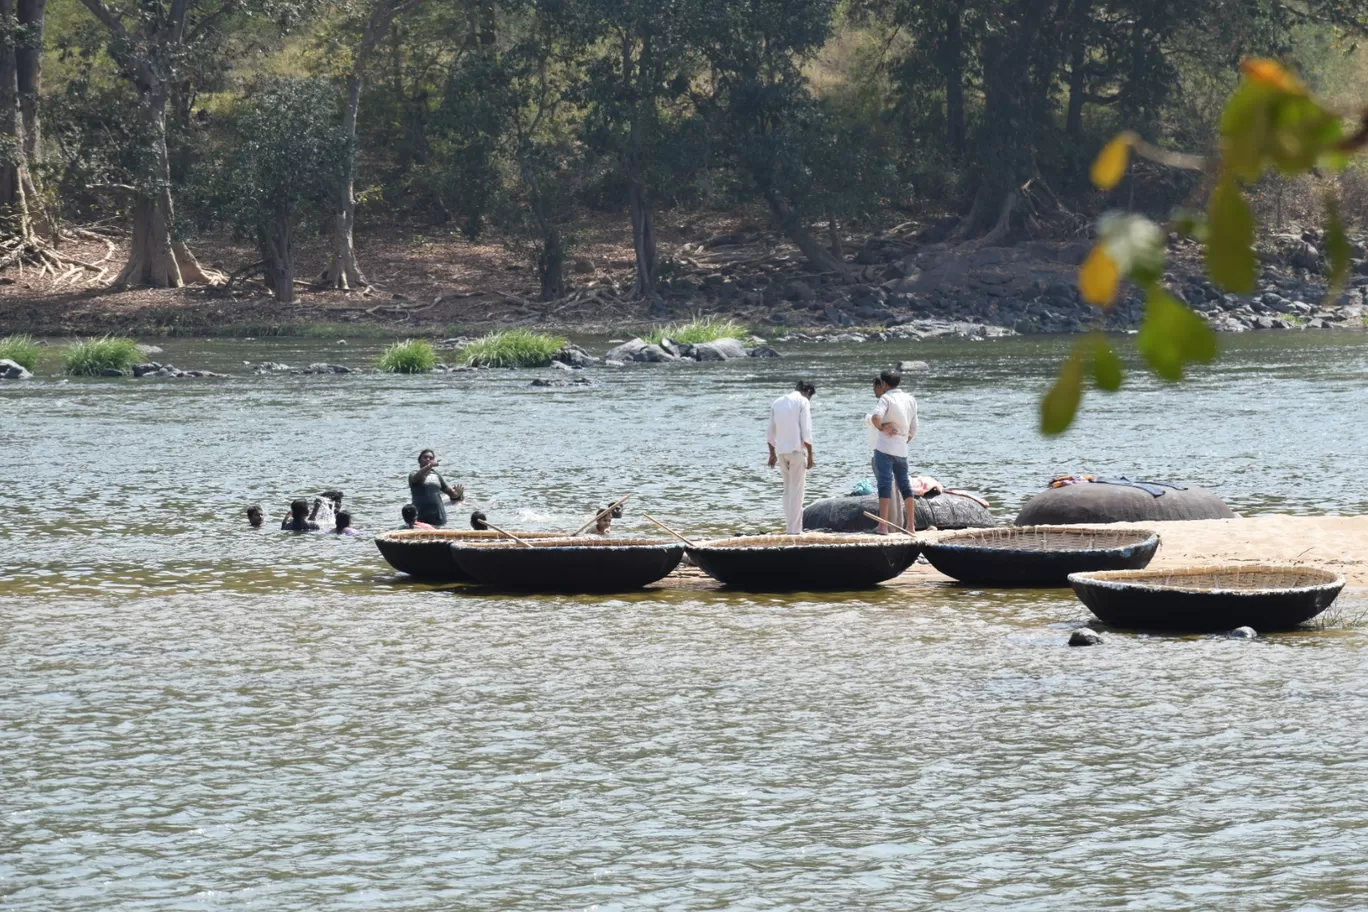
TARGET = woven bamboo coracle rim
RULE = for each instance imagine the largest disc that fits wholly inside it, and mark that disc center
(1040, 539)
(1227, 579)
(807, 540)
(429, 536)
(566, 543)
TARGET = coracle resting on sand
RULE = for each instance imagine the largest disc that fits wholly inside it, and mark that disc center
(426, 553)
(568, 565)
(1109, 503)
(847, 514)
(1038, 555)
(780, 563)
(1215, 597)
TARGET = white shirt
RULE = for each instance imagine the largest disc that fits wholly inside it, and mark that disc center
(790, 424)
(900, 410)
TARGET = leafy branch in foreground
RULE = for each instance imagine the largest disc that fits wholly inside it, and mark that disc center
(1271, 122)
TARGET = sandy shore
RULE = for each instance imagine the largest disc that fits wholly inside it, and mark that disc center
(1338, 543)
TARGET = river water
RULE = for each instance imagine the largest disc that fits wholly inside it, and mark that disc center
(197, 716)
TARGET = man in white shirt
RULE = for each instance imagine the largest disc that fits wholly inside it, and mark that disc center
(790, 447)
(895, 418)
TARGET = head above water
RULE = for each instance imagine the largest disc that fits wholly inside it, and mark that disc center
(477, 521)
(410, 514)
(254, 516)
(887, 380)
(425, 457)
(343, 520)
(806, 388)
(299, 509)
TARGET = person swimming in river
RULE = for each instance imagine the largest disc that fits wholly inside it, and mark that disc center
(344, 526)
(255, 517)
(604, 524)
(410, 516)
(426, 488)
(300, 519)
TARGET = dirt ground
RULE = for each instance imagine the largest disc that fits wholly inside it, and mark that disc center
(425, 280)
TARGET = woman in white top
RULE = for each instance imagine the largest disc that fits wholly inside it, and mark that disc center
(895, 418)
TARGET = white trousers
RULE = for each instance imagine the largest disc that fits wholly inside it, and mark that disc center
(794, 468)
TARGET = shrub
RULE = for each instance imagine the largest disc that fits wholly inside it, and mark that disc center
(408, 357)
(697, 330)
(514, 348)
(94, 357)
(22, 350)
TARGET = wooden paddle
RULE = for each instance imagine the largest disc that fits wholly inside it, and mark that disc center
(668, 529)
(889, 521)
(598, 516)
(525, 544)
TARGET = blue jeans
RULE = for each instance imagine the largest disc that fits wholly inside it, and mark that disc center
(886, 469)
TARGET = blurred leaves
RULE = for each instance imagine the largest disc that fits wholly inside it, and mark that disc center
(1060, 404)
(1230, 239)
(1111, 163)
(1173, 337)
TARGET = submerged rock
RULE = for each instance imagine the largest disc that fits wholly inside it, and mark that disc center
(13, 370)
(1243, 633)
(764, 351)
(1085, 636)
(321, 367)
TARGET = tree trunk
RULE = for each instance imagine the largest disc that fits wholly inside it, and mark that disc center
(29, 58)
(797, 232)
(154, 259)
(1078, 81)
(952, 66)
(834, 236)
(343, 271)
(278, 259)
(643, 240)
(551, 264)
(14, 185)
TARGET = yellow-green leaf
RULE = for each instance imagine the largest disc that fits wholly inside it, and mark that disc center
(1106, 365)
(1060, 405)
(1336, 248)
(1111, 163)
(1230, 256)
(1173, 337)
(1099, 278)
(1246, 124)
(1271, 74)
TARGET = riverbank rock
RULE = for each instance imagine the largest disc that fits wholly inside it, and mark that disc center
(720, 350)
(1243, 633)
(944, 511)
(320, 367)
(1105, 503)
(271, 367)
(579, 380)
(1085, 636)
(914, 367)
(573, 356)
(627, 351)
(13, 370)
(764, 351)
(154, 369)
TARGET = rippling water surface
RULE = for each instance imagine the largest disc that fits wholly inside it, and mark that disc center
(197, 716)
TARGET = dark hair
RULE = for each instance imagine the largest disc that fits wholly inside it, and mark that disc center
(333, 494)
(299, 508)
(409, 512)
(343, 519)
(422, 453)
(890, 378)
(805, 387)
(477, 521)
(254, 509)
(616, 511)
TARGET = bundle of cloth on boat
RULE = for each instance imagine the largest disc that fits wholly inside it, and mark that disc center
(1153, 488)
(1072, 499)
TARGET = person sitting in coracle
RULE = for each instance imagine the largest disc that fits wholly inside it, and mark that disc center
(410, 514)
(604, 524)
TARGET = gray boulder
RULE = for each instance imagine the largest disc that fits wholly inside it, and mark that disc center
(627, 351)
(721, 350)
(321, 367)
(1085, 636)
(654, 354)
(914, 367)
(13, 370)
(764, 351)
(944, 511)
(573, 356)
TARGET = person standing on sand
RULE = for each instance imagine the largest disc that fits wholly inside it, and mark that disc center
(790, 447)
(895, 418)
(426, 488)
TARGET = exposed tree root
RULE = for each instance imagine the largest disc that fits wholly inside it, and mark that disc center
(37, 254)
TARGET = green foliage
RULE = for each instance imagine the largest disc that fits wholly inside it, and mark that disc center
(96, 357)
(698, 330)
(21, 349)
(513, 348)
(413, 356)
(1230, 256)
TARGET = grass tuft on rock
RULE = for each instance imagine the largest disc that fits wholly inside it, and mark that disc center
(100, 357)
(699, 330)
(22, 350)
(412, 356)
(513, 348)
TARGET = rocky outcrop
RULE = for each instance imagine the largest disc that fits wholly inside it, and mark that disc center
(642, 352)
(155, 369)
(13, 370)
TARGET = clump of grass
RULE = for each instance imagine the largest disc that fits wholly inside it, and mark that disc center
(408, 357)
(95, 357)
(513, 348)
(698, 330)
(22, 350)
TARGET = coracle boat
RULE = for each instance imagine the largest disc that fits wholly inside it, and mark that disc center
(779, 563)
(1209, 598)
(426, 553)
(568, 565)
(1038, 555)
